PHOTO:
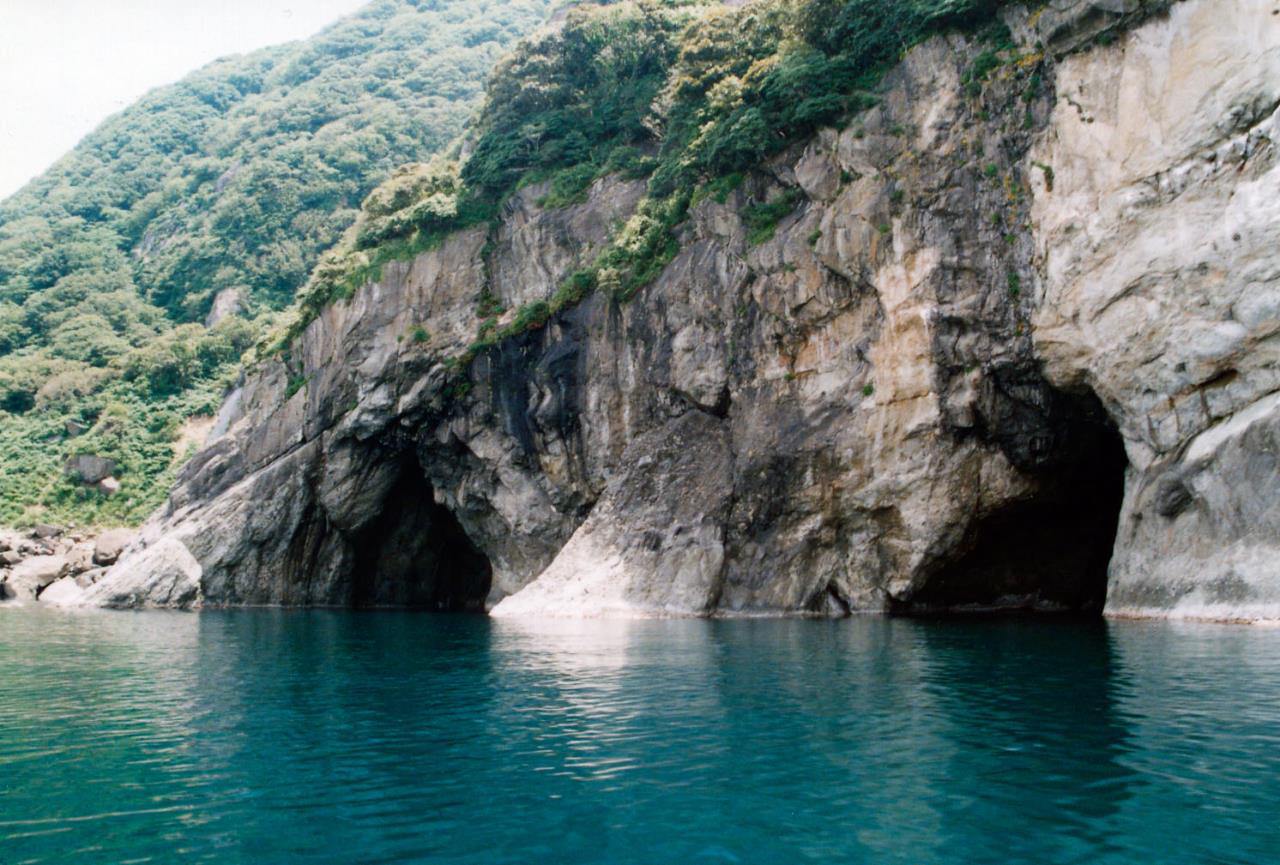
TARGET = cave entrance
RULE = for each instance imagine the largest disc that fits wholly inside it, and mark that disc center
(1049, 552)
(416, 554)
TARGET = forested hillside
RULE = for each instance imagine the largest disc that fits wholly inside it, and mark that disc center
(231, 181)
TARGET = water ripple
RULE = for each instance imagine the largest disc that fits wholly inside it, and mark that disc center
(278, 737)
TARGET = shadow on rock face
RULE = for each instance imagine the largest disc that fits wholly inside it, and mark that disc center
(415, 554)
(1048, 552)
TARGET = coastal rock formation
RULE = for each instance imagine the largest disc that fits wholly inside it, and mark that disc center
(32, 565)
(1010, 348)
(1162, 292)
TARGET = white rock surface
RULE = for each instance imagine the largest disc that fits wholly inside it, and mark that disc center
(1160, 244)
(63, 593)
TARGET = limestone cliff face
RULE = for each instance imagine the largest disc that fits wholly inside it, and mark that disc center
(1010, 349)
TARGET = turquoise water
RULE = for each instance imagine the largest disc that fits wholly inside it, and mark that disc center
(274, 737)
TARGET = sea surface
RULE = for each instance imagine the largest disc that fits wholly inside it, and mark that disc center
(300, 737)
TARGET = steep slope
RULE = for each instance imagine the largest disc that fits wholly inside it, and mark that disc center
(227, 185)
(1005, 338)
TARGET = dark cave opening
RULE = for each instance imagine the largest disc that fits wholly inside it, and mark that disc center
(417, 555)
(1048, 552)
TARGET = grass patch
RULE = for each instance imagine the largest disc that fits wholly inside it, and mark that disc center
(762, 219)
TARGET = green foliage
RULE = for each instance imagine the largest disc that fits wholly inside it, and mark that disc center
(136, 431)
(569, 185)
(644, 245)
(243, 173)
(1015, 284)
(692, 92)
(237, 177)
(868, 389)
(1048, 175)
(296, 383)
(719, 189)
(762, 219)
(574, 96)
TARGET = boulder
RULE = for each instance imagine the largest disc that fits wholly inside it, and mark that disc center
(75, 427)
(110, 544)
(10, 557)
(163, 575)
(108, 486)
(226, 303)
(44, 531)
(29, 577)
(89, 468)
(65, 592)
(88, 578)
(79, 558)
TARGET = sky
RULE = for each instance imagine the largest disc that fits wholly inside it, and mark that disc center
(66, 65)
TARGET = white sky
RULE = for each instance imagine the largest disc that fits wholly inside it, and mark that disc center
(65, 65)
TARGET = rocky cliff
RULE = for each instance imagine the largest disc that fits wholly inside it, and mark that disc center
(1014, 345)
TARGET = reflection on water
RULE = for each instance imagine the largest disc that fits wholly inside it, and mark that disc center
(273, 737)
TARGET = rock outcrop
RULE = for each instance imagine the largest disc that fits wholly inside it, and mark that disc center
(49, 556)
(1014, 347)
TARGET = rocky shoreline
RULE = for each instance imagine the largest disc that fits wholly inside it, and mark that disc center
(54, 565)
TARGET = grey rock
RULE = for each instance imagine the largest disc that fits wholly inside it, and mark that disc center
(108, 545)
(44, 531)
(226, 303)
(89, 468)
(29, 577)
(88, 578)
(79, 558)
(65, 592)
(164, 575)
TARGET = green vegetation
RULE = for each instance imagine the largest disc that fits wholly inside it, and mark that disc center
(762, 219)
(236, 177)
(690, 93)
(1048, 175)
(242, 175)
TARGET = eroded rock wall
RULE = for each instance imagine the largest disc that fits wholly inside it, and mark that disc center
(984, 305)
(1160, 246)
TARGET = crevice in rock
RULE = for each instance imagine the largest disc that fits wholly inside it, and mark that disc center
(1048, 552)
(416, 554)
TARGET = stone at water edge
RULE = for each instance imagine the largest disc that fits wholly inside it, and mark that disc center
(163, 575)
(29, 577)
(65, 592)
